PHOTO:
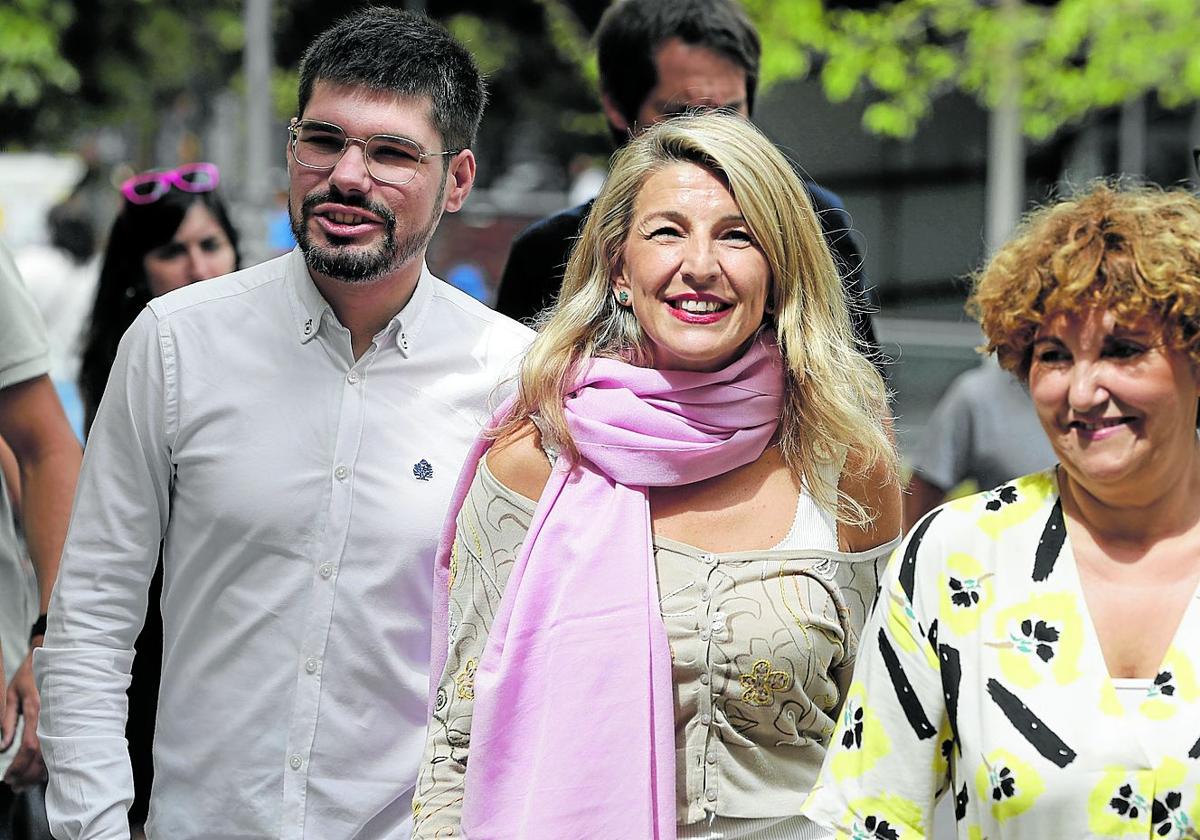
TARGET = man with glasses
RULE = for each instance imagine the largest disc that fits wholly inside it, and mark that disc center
(658, 58)
(291, 435)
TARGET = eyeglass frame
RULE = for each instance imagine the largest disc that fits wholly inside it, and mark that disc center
(294, 129)
(164, 179)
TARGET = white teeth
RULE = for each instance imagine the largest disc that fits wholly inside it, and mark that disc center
(700, 307)
(1099, 424)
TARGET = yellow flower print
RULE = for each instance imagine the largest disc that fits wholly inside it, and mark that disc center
(1009, 784)
(761, 683)
(453, 564)
(887, 817)
(1176, 810)
(466, 681)
(1175, 684)
(966, 593)
(904, 629)
(1121, 804)
(860, 740)
(1009, 505)
(1039, 636)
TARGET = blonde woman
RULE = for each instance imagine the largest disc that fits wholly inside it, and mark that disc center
(1035, 650)
(657, 573)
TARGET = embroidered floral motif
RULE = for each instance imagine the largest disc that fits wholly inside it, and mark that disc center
(1001, 496)
(423, 470)
(466, 681)
(762, 683)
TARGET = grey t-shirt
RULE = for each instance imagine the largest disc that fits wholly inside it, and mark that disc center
(984, 428)
(24, 354)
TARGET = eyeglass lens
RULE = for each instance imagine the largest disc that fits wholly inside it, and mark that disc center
(392, 159)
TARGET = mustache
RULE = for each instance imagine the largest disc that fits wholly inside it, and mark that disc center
(348, 199)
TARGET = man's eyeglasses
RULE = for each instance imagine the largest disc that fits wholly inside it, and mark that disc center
(390, 159)
(151, 186)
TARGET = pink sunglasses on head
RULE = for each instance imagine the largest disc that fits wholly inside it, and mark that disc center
(151, 186)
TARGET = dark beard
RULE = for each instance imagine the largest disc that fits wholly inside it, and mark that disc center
(338, 260)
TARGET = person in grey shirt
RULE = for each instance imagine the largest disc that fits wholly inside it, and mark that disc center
(45, 460)
(983, 428)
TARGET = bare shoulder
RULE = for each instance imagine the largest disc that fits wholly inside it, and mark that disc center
(518, 462)
(877, 488)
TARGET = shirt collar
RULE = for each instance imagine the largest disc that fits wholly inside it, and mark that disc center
(309, 306)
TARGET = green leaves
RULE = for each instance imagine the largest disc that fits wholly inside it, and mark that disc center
(1064, 60)
(30, 55)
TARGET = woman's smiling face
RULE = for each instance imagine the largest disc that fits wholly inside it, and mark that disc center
(1118, 406)
(693, 273)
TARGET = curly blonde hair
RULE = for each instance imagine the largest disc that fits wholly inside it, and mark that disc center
(835, 400)
(1131, 249)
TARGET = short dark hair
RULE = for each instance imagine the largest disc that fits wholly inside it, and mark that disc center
(404, 53)
(631, 31)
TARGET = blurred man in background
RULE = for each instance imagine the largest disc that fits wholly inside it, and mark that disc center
(658, 58)
(985, 430)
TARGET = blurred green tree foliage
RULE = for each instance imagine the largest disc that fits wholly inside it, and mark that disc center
(31, 60)
(1071, 56)
(72, 64)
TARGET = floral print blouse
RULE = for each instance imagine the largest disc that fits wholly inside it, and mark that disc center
(980, 676)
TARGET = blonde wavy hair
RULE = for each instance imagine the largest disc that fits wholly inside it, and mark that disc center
(835, 400)
(1129, 248)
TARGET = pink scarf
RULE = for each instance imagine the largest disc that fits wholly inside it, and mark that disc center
(573, 733)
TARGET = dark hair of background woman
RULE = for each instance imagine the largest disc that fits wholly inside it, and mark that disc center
(123, 290)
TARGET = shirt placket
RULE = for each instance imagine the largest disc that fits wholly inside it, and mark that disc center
(326, 568)
(710, 624)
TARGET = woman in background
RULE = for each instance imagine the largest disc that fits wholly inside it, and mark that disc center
(658, 646)
(1036, 648)
(172, 230)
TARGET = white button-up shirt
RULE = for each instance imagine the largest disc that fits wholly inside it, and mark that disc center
(298, 495)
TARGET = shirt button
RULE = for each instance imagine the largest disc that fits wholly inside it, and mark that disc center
(710, 559)
(704, 635)
(710, 795)
(704, 679)
(311, 665)
(352, 377)
(342, 472)
(712, 758)
(296, 762)
(703, 593)
(706, 719)
(326, 570)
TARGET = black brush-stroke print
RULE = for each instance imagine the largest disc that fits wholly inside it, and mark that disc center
(907, 698)
(1030, 726)
(951, 668)
(1051, 543)
(908, 565)
(1194, 752)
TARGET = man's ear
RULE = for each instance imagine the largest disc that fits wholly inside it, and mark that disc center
(613, 114)
(461, 173)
